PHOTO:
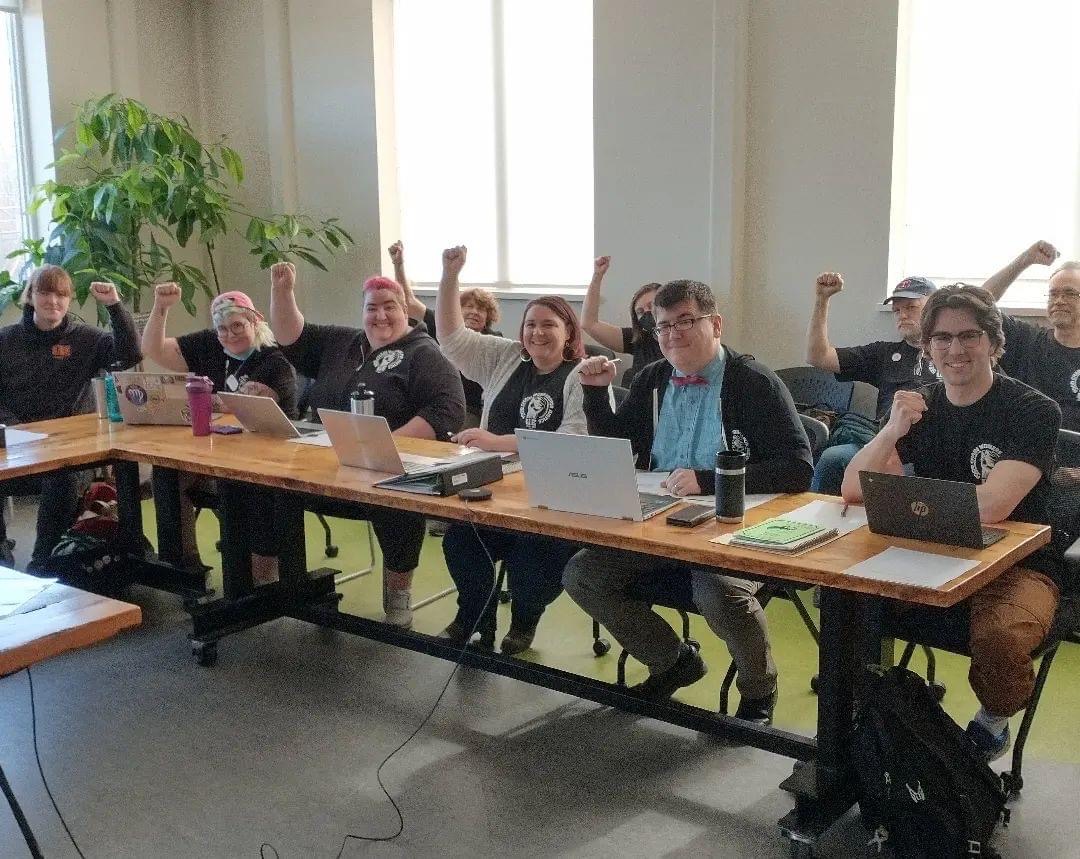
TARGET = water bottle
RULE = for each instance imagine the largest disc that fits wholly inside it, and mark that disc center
(362, 401)
(112, 400)
(730, 486)
(199, 389)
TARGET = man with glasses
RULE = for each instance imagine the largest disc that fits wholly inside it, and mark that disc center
(1048, 359)
(703, 398)
(986, 428)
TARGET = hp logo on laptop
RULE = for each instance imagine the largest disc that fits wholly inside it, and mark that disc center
(920, 508)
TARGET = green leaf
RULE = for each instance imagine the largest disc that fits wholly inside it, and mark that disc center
(311, 258)
(233, 164)
(183, 230)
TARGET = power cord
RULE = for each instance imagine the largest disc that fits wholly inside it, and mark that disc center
(41, 770)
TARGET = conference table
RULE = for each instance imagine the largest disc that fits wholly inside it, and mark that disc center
(298, 475)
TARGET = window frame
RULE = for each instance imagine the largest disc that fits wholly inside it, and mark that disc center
(21, 104)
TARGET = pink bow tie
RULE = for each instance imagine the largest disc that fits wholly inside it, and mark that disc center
(683, 381)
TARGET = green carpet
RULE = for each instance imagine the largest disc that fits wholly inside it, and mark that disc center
(564, 641)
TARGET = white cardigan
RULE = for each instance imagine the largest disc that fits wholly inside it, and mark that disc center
(490, 361)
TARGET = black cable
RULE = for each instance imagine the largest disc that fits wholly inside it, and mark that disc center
(41, 770)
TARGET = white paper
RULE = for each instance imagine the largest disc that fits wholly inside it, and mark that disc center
(319, 439)
(18, 436)
(421, 461)
(908, 567)
(649, 481)
(17, 590)
(828, 515)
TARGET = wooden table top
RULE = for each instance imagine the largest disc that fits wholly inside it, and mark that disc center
(60, 619)
(315, 470)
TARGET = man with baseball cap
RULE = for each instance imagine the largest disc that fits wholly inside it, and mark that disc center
(889, 365)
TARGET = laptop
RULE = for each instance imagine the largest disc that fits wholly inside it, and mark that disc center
(153, 398)
(922, 508)
(585, 474)
(364, 441)
(263, 415)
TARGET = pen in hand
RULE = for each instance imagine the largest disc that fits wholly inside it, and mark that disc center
(844, 511)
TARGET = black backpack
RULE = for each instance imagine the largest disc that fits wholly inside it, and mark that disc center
(923, 790)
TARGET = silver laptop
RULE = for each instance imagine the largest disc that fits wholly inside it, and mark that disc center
(585, 474)
(364, 441)
(263, 415)
(153, 398)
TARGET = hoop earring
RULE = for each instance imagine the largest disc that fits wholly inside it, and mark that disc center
(525, 357)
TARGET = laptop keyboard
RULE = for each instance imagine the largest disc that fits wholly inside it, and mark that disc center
(651, 503)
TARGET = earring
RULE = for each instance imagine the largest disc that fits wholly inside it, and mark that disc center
(525, 357)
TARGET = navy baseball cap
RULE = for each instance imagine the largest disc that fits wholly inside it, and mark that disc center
(912, 287)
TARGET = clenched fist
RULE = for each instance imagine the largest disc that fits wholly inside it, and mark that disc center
(597, 371)
(453, 260)
(282, 275)
(1041, 253)
(105, 293)
(828, 283)
(600, 266)
(397, 253)
(166, 295)
(907, 410)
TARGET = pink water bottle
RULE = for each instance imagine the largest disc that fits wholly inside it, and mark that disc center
(199, 389)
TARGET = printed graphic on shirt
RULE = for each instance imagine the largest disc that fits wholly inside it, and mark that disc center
(61, 350)
(925, 367)
(536, 409)
(1074, 384)
(983, 458)
(388, 360)
(739, 444)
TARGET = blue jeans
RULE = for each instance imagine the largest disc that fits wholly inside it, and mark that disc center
(829, 471)
(535, 566)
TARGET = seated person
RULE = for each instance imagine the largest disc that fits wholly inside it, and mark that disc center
(238, 355)
(1048, 359)
(528, 383)
(708, 398)
(637, 338)
(888, 365)
(49, 360)
(480, 310)
(416, 389)
(981, 427)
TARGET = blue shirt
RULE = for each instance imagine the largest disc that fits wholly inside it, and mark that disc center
(691, 428)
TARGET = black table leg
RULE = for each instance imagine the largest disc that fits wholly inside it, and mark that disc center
(20, 818)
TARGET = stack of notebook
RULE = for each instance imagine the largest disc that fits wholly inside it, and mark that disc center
(782, 535)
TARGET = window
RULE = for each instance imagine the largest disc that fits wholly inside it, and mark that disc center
(14, 181)
(987, 141)
(494, 143)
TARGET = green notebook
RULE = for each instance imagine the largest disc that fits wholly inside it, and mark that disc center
(782, 535)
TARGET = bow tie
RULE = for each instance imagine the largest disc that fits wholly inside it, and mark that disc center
(683, 381)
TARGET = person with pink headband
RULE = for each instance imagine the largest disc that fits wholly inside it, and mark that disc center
(239, 355)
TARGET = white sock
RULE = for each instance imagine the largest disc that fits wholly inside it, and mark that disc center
(996, 725)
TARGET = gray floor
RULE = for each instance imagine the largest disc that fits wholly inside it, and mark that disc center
(149, 755)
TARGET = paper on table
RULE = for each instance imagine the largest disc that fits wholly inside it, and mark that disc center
(18, 436)
(649, 481)
(827, 514)
(16, 591)
(319, 439)
(908, 567)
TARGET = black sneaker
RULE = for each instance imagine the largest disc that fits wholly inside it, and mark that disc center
(518, 639)
(688, 668)
(757, 710)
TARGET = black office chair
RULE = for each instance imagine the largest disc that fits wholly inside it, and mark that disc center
(1064, 514)
(814, 388)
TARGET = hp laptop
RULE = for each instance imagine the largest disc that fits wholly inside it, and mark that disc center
(585, 474)
(263, 415)
(921, 508)
(364, 441)
(153, 398)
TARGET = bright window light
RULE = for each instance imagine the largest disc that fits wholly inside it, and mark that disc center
(14, 192)
(992, 139)
(493, 113)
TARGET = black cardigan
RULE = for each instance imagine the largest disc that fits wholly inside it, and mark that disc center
(758, 414)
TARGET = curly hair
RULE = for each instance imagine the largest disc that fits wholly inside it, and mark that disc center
(558, 305)
(976, 301)
(486, 301)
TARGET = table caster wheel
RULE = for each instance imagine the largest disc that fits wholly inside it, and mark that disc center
(601, 646)
(332, 551)
(938, 691)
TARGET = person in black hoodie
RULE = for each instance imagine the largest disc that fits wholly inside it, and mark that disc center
(701, 398)
(416, 389)
(49, 360)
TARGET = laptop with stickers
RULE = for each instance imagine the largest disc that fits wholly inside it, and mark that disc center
(153, 398)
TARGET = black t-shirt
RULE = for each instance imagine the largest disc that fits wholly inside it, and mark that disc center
(644, 351)
(530, 400)
(474, 394)
(1033, 356)
(203, 354)
(890, 366)
(1012, 421)
(410, 377)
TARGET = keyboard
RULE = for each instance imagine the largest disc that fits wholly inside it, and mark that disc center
(651, 503)
(306, 428)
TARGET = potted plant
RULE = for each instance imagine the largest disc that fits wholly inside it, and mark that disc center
(134, 188)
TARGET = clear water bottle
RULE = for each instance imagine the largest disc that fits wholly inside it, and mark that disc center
(730, 486)
(362, 401)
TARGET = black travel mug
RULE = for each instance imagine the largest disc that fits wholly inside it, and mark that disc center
(730, 486)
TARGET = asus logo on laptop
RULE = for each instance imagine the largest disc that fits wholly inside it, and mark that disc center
(579, 474)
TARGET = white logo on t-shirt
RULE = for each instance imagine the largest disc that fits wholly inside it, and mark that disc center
(388, 360)
(536, 409)
(739, 444)
(1074, 384)
(983, 458)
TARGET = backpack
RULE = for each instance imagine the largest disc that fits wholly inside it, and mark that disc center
(923, 791)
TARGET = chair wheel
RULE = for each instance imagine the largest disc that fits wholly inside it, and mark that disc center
(938, 691)
(814, 684)
(205, 654)
(504, 597)
(601, 646)
(217, 546)
(1012, 784)
(694, 645)
(332, 551)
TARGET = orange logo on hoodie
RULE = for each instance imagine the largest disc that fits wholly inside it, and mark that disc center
(61, 350)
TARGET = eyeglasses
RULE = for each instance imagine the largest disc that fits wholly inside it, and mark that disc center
(1070, 294)
(237, 326)
(942, 341)
(664, 329)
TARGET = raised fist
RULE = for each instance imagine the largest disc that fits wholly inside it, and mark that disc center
(282, 275)
(597, 371)
(397, 253)
(601, 265)
(104, 293)
(829, 283)
(1041, 253)
(453, 260)
(166, 295)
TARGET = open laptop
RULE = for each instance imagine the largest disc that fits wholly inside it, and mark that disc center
(364, 441)
(922, 508)
(153, 398)
(585, 474)
(263, 415)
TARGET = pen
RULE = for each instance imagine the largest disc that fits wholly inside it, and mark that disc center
(844, 511)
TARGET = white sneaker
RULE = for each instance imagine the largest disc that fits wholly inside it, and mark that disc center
(397, 605)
